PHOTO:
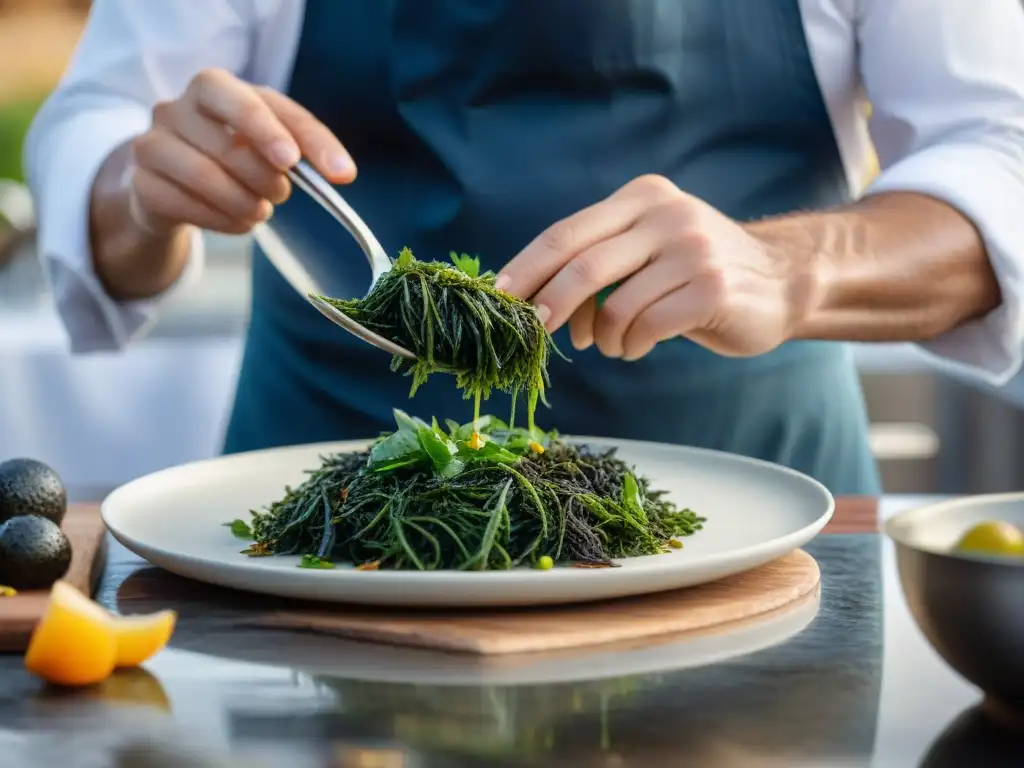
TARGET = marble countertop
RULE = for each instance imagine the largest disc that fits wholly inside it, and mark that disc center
(858, 686)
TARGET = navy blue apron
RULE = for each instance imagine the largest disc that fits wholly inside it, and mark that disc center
(478, 123)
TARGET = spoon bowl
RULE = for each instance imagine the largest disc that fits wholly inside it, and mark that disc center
(305, 177)
(338, 317)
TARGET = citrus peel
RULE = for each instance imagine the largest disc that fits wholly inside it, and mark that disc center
(78, 642)
(139, 638)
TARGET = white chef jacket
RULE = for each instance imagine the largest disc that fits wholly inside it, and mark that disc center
(945, 79)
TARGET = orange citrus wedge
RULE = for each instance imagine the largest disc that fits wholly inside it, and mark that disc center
(78, 642)
(139, 638)
(74, 643)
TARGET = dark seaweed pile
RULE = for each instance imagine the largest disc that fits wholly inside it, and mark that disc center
(492, 497)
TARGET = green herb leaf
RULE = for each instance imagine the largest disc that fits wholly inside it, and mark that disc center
(401, 448)
(488, 453)
(631, 497)
(407, 423)
(518, 440)
(312, 561)
(405, 258)
(465, 263)
(240, 529)
(441, 450)
(485, 425)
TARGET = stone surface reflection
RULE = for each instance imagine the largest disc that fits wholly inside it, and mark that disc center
(210, 700)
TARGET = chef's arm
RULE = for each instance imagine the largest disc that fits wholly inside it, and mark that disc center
(118, 242)
(131, 56)
(895, 266)
(934, 252)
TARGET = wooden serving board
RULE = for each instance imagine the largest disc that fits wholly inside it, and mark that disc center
(774, 589)
(735, 599)
(784, 585)
(20, 614)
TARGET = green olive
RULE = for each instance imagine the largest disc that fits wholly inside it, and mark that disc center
(993, 538)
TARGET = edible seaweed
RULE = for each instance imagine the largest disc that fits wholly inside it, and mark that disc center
(424, 497)
(454, 319)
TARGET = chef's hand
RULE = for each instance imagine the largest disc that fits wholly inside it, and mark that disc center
(684, 269)
(216, 156)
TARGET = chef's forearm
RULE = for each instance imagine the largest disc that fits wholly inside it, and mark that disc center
(895, 267)
(130, 262)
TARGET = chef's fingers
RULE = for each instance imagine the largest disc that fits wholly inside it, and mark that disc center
(528, 272)
(318, 144)
(680, 313)
(223, 97)
(581, 324)
(600, 265)
(655, 281)
(234, 154)
(281, 130)
(536, 264)
(158, 205)
(169, 156)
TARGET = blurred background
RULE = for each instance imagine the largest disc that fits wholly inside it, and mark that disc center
(101, 420)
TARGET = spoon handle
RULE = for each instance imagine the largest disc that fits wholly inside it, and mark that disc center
(316, 186)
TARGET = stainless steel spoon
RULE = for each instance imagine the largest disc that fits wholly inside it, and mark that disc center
(316, 186)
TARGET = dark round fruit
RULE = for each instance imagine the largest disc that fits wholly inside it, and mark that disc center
(34, 552)
(29, 487)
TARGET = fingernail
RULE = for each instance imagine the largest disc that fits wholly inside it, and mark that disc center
(284, 154)
(266, 210)
(502, 282)
(340, 164)
(543, 313)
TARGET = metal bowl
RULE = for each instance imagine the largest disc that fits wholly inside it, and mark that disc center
(970, 607)
(974, 733)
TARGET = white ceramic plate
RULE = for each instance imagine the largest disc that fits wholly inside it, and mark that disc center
(755, 512)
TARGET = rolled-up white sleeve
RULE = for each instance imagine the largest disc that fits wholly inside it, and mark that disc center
(946, 84)
(132, 55)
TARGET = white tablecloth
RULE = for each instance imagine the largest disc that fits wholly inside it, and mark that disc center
(101, 420)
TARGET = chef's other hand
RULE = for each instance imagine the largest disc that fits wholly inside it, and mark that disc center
(682, 268)
(216, 156)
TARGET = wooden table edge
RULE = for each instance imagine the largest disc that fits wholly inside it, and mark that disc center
(854, 514)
